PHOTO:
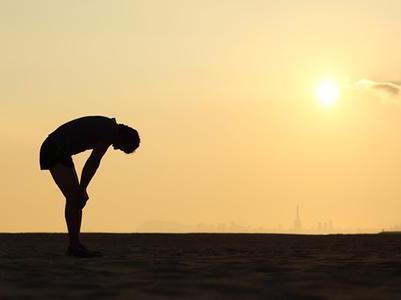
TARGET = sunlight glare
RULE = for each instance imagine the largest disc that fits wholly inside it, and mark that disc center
(327, 92)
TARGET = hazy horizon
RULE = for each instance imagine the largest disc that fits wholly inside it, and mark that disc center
(223, 96)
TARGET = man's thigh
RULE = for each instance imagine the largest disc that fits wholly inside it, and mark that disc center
(67, 180)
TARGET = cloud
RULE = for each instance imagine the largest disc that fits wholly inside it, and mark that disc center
(387, 92)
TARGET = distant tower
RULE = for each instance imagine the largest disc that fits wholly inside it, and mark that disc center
(297, 222)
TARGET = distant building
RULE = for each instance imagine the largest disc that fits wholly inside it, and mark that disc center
(297, 222)
(325, 227)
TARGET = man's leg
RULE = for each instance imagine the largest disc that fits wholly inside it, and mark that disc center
(67, 180)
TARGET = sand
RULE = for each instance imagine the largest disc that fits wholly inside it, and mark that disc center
(202, 266)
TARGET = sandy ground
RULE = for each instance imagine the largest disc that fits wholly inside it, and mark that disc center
(202, 266)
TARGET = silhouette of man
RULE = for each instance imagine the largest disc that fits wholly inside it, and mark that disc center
(93, 132)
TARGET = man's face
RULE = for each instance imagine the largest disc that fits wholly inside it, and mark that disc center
(123, 147)
(127, 148)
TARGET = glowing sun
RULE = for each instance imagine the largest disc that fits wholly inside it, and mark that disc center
(327, 92)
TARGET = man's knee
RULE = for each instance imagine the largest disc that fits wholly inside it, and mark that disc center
(73, 203)
(76, 203)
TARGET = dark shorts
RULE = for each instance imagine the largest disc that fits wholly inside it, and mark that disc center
(51, 155)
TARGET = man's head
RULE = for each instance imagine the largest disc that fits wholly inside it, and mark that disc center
(127, 139)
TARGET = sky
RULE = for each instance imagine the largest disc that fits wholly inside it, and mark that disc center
(223, 96)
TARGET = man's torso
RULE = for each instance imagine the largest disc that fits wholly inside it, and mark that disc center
(84, 133)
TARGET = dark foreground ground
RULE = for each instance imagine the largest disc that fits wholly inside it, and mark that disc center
(202, 266)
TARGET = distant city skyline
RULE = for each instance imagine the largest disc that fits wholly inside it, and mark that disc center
(233, 227)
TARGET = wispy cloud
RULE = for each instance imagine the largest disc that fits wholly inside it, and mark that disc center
(387, 92)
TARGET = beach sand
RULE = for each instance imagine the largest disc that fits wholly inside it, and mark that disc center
(202, 266)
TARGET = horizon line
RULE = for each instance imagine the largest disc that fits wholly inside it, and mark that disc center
(214, 233)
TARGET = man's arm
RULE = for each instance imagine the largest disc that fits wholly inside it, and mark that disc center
(92, 164)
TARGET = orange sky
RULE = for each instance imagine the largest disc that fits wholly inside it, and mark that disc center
(222, 93)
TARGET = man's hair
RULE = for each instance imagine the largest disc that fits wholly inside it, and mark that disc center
(130, 137)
